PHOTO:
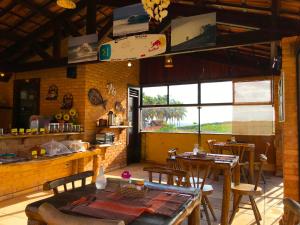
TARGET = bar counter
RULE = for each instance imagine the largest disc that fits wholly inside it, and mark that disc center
(26, 176)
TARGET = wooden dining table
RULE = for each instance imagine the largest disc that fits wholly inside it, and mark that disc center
(249, 148)
(230, 167)
(189, 209)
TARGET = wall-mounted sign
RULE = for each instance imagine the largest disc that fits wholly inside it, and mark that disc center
(83, 48)
(193, 32)
(67, 101)
(130, 19)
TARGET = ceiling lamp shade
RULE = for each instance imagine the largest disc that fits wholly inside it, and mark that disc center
(67, 4)
(156, 9)
(169, 62)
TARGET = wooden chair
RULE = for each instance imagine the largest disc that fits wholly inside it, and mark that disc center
(239, 150)
(171, 160)
(292, 212)
(173, 177)
(256, 164)
(210, 143)
(53, 185)
(251, 190)
(52, 216)
(198, 170)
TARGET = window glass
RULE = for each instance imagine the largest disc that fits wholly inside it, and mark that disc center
(216, 92)
(216, 119)
(252, 91)
(155, 95)
(183, 94)
(170, 119)
(253, 120)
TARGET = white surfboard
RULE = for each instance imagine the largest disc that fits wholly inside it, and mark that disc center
(133, 47)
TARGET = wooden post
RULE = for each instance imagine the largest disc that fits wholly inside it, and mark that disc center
(96, 166)
(57, 40)
(194, 218)
(91, 11)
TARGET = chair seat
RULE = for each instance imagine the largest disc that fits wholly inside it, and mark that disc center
(207, 189)
(246, 189)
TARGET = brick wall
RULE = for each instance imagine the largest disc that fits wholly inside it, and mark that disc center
(88, 76)
(97, 76)
(289, 126)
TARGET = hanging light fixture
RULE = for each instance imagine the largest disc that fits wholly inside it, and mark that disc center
(67, 4)
(156, 9)
(168, 62)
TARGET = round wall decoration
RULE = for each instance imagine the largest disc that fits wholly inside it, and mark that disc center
(96, 98)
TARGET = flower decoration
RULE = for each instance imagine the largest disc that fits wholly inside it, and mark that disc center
(66, 117)
(72, 112)
(58, 116)
(156, 9)
(126, 175)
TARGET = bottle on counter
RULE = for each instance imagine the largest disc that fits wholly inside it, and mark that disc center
(196, 149)
(101, 179)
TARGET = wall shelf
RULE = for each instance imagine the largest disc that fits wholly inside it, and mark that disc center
(23, 137)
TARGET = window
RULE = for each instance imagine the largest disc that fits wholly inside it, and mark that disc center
(227, 107)
(216, 119)
(170, 119)
(253, 120)
(183, 94)
(216, 92)
(253, 92)
(155, 95)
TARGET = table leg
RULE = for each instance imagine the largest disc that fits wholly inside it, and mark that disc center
(226, 197)
(251, 166)
(194, 217)
(237, 179)
(96, 167)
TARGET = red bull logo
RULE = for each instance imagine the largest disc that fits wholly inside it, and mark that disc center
(155, 45)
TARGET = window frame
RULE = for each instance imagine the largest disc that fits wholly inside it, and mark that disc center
(199, 104)
(254, 103)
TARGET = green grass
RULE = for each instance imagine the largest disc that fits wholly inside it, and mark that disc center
(225, 127)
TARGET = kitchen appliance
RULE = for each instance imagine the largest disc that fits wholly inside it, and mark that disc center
(105, 138)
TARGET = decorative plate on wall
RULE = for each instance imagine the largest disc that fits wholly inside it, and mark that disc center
(96, 98)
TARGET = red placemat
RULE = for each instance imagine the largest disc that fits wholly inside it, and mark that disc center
(113, 205)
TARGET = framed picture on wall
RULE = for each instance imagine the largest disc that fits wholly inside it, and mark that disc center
(281, 98)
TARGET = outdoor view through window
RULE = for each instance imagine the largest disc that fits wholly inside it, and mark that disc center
(215, 107)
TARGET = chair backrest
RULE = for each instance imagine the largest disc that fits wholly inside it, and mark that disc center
(172, 152)
(53, 185)
(292, 212)
(268, 145)
(210, 143)
(173, 177)
(263, 159)
(239, 150)
(198, 170)
(53, 216)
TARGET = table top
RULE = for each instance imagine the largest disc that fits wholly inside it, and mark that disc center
(217, 159)
(64, 198)
(233, 144)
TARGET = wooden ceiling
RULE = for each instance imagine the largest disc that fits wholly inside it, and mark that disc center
(28, 28)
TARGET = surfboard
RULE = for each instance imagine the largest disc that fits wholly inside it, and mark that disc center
(133, 47)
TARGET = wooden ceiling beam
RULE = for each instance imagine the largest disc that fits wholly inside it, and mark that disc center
(30, 38)
(40, 51)
(8, 8)
(91, 16)
(105, 29)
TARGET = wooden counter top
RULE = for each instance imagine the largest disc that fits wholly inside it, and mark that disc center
(7, 137)
(53, 160)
